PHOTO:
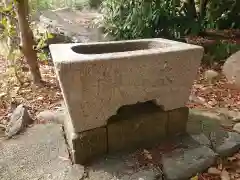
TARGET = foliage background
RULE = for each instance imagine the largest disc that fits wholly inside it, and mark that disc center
(160, 18)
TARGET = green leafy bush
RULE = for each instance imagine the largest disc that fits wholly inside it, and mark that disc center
(223, 14)
(144, 19)
(219, 52)
(41, 5)
(172, 19)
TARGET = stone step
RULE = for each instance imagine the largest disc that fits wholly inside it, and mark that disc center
(196, 152)
(192, 155)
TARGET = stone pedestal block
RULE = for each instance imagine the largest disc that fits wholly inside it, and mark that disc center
(142, 125)
(136, 128)
(90, 144)
(177, 121)
(85, 146)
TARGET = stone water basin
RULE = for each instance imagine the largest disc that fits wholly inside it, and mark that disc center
(96, 79)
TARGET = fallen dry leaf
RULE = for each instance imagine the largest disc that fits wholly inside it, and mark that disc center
(2, 94)
(225, 175)
(147, 154)
(194, 178)
(237, 155)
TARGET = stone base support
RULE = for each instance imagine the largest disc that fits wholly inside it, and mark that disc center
(135, 127)
(138, 126)
(177, 121)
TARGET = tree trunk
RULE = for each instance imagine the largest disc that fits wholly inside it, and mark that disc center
(203, 8)
(235, 8)
(189, 9)
(27, 41)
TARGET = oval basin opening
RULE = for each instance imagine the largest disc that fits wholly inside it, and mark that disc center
(116, 47)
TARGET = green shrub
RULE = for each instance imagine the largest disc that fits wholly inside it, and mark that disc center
(80, 4)
(223, 14)
(95, 3)
(219, 52)
(171, 19)
(144, 19)
(40, 5)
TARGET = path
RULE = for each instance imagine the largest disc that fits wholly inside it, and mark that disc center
(76, 26)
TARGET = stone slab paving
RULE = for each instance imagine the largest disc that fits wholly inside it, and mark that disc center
(122, 167)
(191, 156)
(185, 163)
(38, 154)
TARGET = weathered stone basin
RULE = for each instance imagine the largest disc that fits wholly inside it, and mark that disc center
(97, 79)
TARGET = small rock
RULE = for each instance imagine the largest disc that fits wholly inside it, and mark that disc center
(236, 119)
(210, 75)
(225, 143)
(18, 121)
(51, 116)
(236, 127)
(232, 115)
(214, 171)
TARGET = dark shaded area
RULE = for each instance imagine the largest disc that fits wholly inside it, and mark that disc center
(127, 112)
(116, 47)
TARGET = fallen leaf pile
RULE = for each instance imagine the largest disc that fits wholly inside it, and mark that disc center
(220, 94)
(34, 98)
(226, 169)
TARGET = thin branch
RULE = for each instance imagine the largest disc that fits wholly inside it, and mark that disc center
(8, 15)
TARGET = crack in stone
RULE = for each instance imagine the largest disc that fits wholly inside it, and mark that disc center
(68, 147)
